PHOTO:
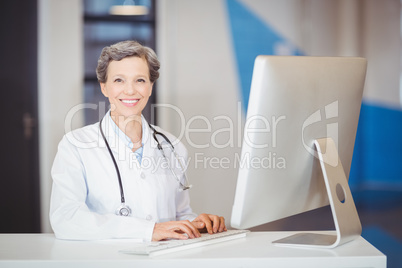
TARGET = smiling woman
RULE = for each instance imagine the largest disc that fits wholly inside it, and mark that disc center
(85, 191)
(126, 72)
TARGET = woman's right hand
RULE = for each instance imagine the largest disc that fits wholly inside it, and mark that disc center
(176, 230)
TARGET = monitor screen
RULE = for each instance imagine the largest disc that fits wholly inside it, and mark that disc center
(295, 101)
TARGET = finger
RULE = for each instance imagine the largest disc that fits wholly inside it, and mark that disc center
(208, 224)
(176, 235)
(198, 224)
(194, 229)
(222, 225)
(167, 234)
(216, 222)
(189, 229)
(184, 230)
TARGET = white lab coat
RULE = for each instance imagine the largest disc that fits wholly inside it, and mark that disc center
(86, 193)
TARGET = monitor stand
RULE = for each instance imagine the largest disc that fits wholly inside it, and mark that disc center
(346, 219)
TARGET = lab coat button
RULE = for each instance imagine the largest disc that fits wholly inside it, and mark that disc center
(148, 218)
(142, 175)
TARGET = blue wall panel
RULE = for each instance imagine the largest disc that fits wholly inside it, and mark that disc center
(252, 37)
(377, 158)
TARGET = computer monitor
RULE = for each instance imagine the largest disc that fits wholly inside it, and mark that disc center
(298, 144)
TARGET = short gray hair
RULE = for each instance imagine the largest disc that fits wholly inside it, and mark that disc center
(125, 49)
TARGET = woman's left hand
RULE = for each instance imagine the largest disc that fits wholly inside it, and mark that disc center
(210, 223)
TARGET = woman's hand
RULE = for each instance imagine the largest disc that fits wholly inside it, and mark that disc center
(176, 230)
(210, 223)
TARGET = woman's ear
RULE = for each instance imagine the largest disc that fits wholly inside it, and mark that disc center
(150, 92)
(103, 89)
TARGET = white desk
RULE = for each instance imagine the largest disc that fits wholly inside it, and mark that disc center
(256, 250)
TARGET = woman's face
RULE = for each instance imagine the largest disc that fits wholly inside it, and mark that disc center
(127, 87)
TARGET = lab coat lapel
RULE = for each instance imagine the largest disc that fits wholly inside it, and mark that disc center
(150, 152)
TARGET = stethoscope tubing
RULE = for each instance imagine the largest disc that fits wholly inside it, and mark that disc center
(115, 164)
(155, 132)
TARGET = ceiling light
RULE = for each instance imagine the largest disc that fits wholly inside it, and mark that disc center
(128, 9)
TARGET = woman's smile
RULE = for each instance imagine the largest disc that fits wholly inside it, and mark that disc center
(129, 102)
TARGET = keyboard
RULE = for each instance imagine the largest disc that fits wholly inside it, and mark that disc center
(163, 247)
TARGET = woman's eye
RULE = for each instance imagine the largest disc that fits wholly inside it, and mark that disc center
(141, 80)
(118, 80)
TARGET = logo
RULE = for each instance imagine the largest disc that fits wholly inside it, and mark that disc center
(330, 111)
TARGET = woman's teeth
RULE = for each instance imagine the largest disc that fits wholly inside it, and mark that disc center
(129, 101)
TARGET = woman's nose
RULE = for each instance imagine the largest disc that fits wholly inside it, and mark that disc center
(129, 89)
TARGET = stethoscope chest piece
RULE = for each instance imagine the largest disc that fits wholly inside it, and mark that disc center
(123, 210)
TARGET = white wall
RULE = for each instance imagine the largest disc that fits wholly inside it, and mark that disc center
(381, 45)
(198, 76)
(60, 58)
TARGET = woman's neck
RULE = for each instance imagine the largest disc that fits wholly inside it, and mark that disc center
(132, 127)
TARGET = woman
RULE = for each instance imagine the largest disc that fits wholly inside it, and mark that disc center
(88, 200)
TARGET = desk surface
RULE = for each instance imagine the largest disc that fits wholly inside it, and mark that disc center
(255, 250)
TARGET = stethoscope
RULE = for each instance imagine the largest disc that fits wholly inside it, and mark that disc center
(123, 209)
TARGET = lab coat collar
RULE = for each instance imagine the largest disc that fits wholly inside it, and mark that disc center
(118, 145)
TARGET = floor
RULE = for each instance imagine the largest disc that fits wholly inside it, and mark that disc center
(380, 214)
